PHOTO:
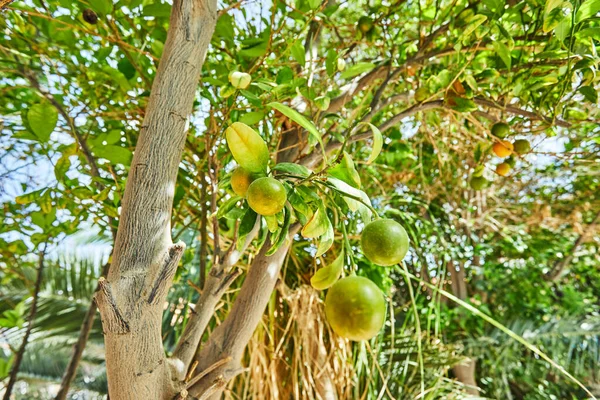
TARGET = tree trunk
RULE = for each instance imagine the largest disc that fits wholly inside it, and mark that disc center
(464, 372)
(131, 299)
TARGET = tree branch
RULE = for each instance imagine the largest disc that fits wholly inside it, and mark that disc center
(560, 265)
(34, 302)
(231, 337)
(218, 281)
(524, 113)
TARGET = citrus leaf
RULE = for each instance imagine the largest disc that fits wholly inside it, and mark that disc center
(317, 225)
(362, 205)
(357, 69)
(299, 53)
(293, 169)
(300, 120)
(42, 119)
(252, 118)
(228, 205)
(114, 154)
(377, 143)
(328, 275)
(503, 53)
(272, 224)
(326, 240)
(283, 233)
(473, 23)
(346, 172)
(588, 9)
(248, 148)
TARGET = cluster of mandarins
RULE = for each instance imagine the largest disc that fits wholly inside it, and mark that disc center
(504, 149)
(355, 306)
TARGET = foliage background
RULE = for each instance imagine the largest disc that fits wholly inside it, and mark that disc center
(72, 100)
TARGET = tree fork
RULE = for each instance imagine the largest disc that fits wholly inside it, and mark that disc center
(131, 299)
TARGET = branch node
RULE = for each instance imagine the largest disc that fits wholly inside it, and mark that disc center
(167, 272)
(112, 318)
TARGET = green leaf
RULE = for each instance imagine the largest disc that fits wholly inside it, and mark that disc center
(28, 198)
(317, 225)
(103, 7)
(114, 154)
(503, 53)
(157, 10)
(254, 47)
(357, 69)
(252, 118)
(272, 223)
(589, 93)
(62, 166)
(126, 68)
(283, 233)
(551, 5)
(588, 9)
(554, 17)
(377, 143)
(346, 171)
(473, 23)
(247, 223)
(42, 119)
(293, 169)
(464, 105)
(328, 275)
(227, 206)
(331, 62)
(326, 240)
(299, 53)
(248, 148)
(300, 120)
(359, 201)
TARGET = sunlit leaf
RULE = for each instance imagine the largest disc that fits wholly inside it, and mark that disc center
(328, 275)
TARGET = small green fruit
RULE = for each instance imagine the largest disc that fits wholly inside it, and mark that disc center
(266, 196)
(422, 94)
(239, 80)
(500, 130)
(384, 242)
(365, 24)
(355, 308)
(522, 146)
(478, 183)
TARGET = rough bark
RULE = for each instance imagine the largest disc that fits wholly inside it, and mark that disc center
(19, 355)
(229, 339)
(131, 299)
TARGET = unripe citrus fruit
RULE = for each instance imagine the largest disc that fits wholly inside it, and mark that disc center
(241, 180)
(478, 183)
(421, 94)
(239, 80)
(266, 196)
(503, 148)
(502, 169)
(384, 242)
(355, 308)
(522, 146)
(500, 130)
(365, 24)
